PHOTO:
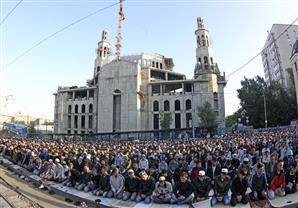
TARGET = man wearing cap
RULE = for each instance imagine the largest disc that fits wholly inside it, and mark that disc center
(221, 188)
(163, 191)
(202, 186)
(58, 171)
(245, 167)
(131, 186)
(238, 189)
(183, 192)
(147, 186)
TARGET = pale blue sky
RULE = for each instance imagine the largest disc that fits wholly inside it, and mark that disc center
(238, 30)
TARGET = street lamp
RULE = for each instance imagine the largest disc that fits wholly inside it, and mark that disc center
(247, 121)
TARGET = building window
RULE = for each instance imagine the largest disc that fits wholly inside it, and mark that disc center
(188, 120)
(177, 105)
(160, 65)
(91, 93)
(205, 60)
(83, 122)
(215, 99)
(90, 108)
(76, 122)
(156, 64)
(155, 106)
(68, 131)
(69, 109)
(76, 109)
(69, 122)
(211, 60)
(166, 105)
(155, 121)
(200, 61)
(117, 110)
(188, 105)
(177, 120)
(98, 68)
(83, 108)
(207, 40)
(153, 64)
(90, 123)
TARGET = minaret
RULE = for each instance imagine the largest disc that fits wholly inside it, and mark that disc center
(204, 53)
(103, 52)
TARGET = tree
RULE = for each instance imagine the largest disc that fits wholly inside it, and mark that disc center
(281, 105)
(165, 120)
(233, 119)
(207, 115)
(32, 127)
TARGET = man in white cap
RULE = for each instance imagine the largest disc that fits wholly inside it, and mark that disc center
(131, 186)
(163, 191)
(202, 186)
(58, 171)
(221, 188)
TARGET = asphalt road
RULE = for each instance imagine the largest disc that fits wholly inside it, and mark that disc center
(43, 198)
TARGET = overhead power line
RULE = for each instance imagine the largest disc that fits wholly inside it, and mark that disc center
(253, 58)
(9, 13)
(57, 32)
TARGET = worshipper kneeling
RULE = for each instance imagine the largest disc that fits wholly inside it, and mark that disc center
(117, 184)
(131, 186)
(278, 183)
(258, 184)
(239, 188)
(104, 183)
(163, 191)
(183, 191)
(93, 183)
(221, 188)
(292, 179)
(147, 186)
(202, 186)
(85, 178)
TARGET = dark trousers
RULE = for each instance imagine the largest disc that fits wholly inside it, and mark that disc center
(234, 201)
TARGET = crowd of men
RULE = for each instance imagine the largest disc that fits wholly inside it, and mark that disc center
(230, 169)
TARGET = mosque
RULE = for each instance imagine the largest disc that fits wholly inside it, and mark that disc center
(132, 93)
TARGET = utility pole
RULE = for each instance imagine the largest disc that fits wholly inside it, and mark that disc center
(265, 109)
(193, 113)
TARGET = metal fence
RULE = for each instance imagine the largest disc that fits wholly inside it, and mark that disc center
(132, 135)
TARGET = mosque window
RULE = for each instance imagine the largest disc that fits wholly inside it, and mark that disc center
(155, 106)
(177, 105)
(90, 108)
(166, 105)
(188, 104)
